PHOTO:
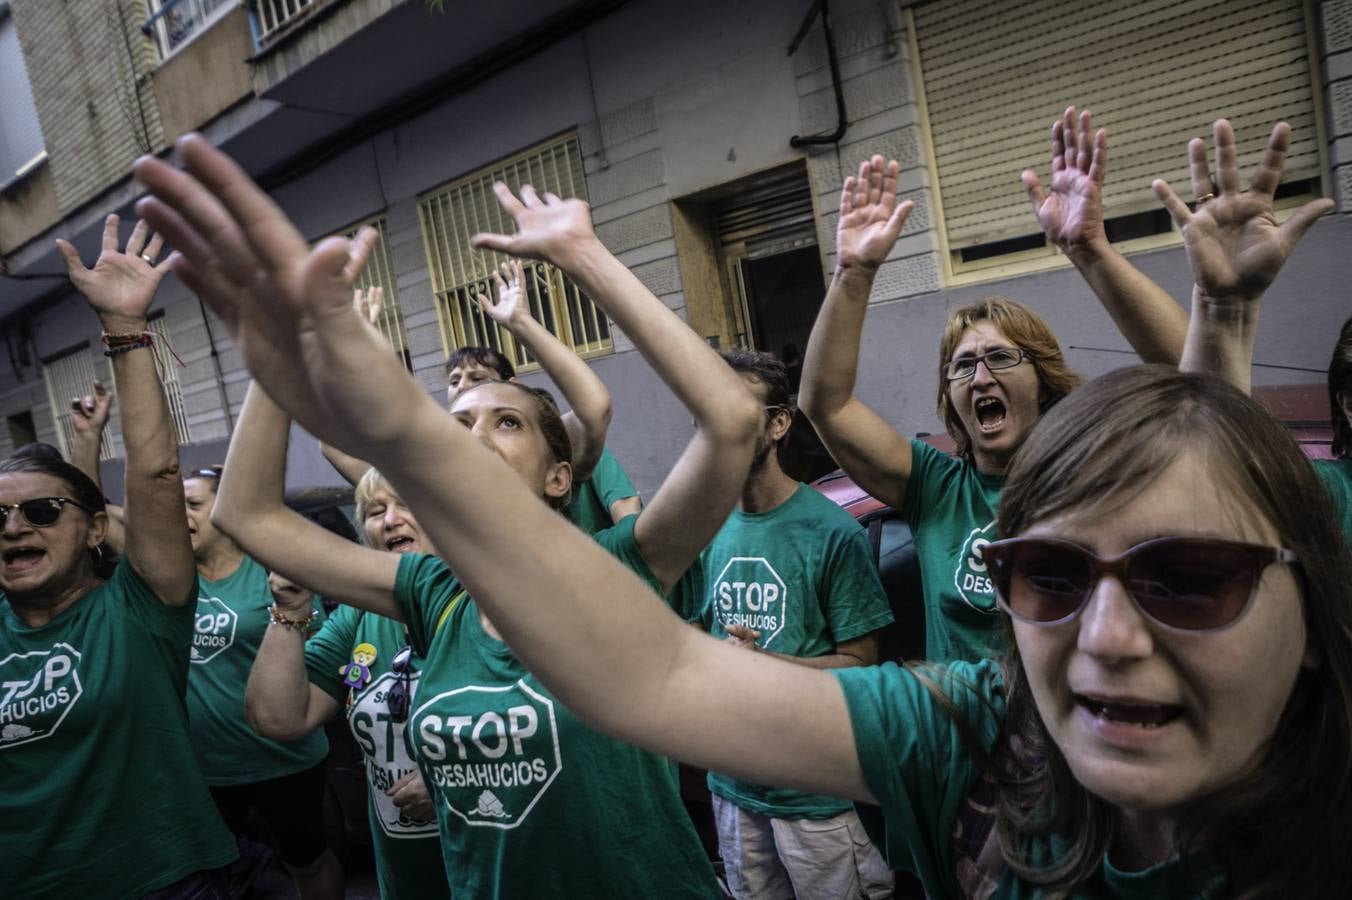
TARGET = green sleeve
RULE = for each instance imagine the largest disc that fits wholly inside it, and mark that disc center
(914, 757)
(685, 597)
(423, 588)
(330, 649)
(610, 481)
(928, 467)
(1336, 474)
(856, 603)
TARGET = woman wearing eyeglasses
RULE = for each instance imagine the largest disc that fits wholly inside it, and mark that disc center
(361, 663)
(530, 802)
(100, 794)
(1000, 368)
(1157, 728)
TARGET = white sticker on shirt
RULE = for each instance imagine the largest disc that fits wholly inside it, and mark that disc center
(213, 629)
(750, 593)
(382, 743)
(972, 579)
(38, 690)
(491, 752)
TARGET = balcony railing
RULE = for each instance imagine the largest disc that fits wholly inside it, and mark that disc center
(173, 23)
(270, 17)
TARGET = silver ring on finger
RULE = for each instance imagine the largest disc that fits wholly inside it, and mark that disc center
(148, 258)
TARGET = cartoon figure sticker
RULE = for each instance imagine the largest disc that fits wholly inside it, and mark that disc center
(358, 672)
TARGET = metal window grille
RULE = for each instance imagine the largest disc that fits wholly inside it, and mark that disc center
(452, 214)
(379, 272)
(1155, 73)
(173, 388)
(271, 16)
(69, 376)
(173, 22)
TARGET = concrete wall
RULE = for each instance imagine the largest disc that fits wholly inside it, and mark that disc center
(206, 76)
(97, 116)
(688, 96)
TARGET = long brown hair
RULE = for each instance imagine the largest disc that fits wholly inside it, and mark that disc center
(1027, 330)
(1340, 381)
(1278, 831)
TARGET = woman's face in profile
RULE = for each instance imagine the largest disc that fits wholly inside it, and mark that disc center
(1152, 718)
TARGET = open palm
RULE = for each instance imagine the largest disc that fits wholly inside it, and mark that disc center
(1233, 240)
(121, 283)
(870, 216)
(1071, 213)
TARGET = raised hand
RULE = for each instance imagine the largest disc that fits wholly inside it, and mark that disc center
(1071, 214)
(1232, 238)
(368, 303)
(288, 308)
(870, 216)
(89, 414)
(122, 283)
(509, 308)
(548, 228)
(741, 636)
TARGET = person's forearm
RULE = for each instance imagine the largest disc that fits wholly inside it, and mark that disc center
(1153, 324)
(831, 363)
(829, 661)
(1220, 338)
(587, 395)
(351, 468)
(84, 453)
(253, 483)
(147, 431)
(277, 698)
(679, 356)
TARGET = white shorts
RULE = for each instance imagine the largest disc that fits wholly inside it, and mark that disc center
(807, 859)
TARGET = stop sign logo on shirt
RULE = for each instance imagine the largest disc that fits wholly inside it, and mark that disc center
(972, 578)
(750, 593)
(490, 752)
(37, 691)
(213, 629)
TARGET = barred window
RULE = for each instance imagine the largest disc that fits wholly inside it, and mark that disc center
(452, 214)
(994, 73)
(69, 375)
(379, 272)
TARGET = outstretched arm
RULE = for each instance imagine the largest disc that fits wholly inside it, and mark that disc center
(697, 496)
(88, 418)
(587, 396)
(1236, 249)
(120, 288)
(610, 650)
(250, 509)
(866, 446)
(1071, 214)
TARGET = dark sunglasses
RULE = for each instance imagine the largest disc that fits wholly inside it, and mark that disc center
(40, 511)
(397, 698)
(1192, 584)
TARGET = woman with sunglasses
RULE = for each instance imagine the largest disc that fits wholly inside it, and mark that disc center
(530, 802)
(1158, 728)
(361, 663)
(99, 789)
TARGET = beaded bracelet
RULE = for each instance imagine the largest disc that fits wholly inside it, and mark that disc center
(277, 617)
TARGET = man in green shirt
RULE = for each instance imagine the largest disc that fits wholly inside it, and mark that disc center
(792, 574)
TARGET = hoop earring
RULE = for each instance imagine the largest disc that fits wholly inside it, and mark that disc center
(97, 550)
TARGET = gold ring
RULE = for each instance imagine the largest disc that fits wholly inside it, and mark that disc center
(1204, 198)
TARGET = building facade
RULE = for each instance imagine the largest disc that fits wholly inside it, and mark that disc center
(711, 140)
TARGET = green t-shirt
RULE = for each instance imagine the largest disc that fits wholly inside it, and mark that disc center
(951, 508)
(407, 850)
(100, 793)
(924, 776)
(590, 506)
(1337, 477)
(531, 801)
(803, 575)
(232, 617)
